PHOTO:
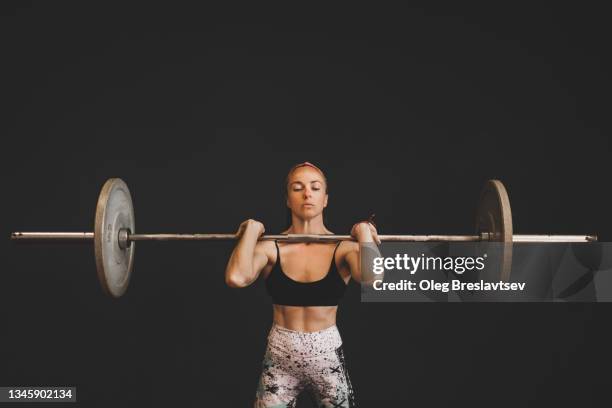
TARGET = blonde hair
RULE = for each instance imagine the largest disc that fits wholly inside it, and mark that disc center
(305, 164)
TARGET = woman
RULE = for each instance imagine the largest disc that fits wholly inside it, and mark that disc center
(305, 281)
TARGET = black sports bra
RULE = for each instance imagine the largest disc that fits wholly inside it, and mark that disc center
(323, 292)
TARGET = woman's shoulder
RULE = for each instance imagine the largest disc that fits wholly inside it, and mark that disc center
(267, 247)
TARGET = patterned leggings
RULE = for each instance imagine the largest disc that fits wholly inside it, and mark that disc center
(297, 361)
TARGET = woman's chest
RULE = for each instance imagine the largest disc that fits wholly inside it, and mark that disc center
(306, 262)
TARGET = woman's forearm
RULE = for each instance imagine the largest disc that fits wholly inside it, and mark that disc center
(240, 271)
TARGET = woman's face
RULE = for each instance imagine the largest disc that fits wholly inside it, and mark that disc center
(306, 192)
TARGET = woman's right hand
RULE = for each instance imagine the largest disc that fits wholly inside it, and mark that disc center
(249, 227)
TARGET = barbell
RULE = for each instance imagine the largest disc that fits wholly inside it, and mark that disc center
(114, 233)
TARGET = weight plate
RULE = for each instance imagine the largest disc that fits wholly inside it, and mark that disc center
(114, 212)
(495, 218)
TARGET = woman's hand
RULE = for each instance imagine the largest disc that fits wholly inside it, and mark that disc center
(365, 231)
(250, 227)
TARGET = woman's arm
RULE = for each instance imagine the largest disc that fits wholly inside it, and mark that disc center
(367, 240)
(248, 258)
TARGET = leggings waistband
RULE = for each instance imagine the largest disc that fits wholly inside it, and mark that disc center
(307, 344)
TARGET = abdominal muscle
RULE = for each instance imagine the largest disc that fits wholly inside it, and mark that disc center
(305, 318)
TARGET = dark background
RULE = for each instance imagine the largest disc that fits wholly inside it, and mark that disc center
(202, 111)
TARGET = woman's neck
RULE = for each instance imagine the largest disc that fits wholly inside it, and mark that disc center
(312, 226)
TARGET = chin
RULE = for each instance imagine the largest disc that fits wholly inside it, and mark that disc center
(308, 215)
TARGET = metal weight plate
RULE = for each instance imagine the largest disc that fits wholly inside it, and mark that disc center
(113, 213)
(495, 218)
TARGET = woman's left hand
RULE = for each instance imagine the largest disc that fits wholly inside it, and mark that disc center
(365, 231)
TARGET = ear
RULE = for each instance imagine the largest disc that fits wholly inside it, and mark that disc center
(287, 202)
(326, 198)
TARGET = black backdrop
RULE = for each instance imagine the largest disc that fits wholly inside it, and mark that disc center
(202, 112)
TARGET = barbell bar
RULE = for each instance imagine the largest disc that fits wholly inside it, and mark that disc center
(114, 234)
(484, 236)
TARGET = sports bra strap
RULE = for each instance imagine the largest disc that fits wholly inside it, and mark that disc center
(334, 255)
